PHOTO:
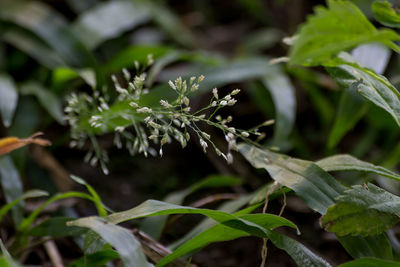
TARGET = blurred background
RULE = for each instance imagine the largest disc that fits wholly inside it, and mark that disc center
(52, 48)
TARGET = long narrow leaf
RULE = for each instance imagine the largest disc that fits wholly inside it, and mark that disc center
(350, 163)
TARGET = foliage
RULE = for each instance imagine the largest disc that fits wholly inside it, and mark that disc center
(139, 97)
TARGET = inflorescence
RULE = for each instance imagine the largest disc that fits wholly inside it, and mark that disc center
(136, 124)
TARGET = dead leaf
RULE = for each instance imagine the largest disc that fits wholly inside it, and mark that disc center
(9, 144)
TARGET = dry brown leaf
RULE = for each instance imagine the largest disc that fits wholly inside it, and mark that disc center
(9, 144)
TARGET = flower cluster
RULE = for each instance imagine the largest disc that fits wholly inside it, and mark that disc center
(141, 127)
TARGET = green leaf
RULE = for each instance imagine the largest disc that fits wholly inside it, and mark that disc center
(120, 238)
(99, 204)
(155, 208)
(50, 26)
(377, 246)
(153, 225)
(6, 259)
(362, 211)
(97, 259)
(27, 222)
(386, 14)
(8, 99)
(108, 20)
(316, 187)
(221, 232)
(350, 163)
(12, 187)
(56, 227)
(46, 98)
(370, 262)
(283, 95)
(229, 206)
(331, 30)
(373, 87)
(33, 46)
(29, 194)
(352, 108)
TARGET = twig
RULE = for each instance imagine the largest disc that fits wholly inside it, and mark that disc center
(264, 250)
(54, 255)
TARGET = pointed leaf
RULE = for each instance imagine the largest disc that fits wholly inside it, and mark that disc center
(29, 194)
(350, 163)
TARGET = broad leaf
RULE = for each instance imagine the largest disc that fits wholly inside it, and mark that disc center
(386, 14)
(331, 30)
(120, 238)
(8, 99)
(362, 211)
(350, 163)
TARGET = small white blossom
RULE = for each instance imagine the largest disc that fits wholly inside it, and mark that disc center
(235, 92)
(119, 129)
(172, 85)
(245, 134)
(215, 93)
(144, 110)
(165, 103)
